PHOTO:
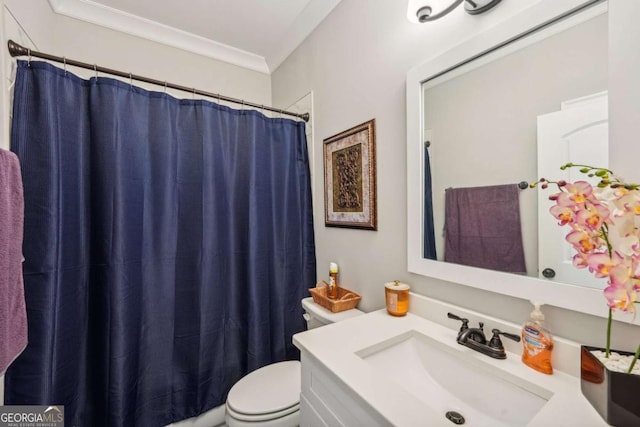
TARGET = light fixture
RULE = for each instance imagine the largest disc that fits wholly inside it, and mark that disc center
(430, 10)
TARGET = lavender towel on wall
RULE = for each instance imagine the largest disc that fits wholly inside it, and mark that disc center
(482, 228)
(13, 317)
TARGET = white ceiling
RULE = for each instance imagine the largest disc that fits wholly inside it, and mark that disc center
(255, 34)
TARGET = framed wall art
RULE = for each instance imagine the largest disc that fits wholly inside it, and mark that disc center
(350, 178)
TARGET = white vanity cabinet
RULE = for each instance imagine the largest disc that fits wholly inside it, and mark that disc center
(381, 370)
(327, 402)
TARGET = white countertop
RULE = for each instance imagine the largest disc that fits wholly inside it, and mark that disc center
(335, 347)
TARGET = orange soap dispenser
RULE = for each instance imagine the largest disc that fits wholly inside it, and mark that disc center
(537, 342)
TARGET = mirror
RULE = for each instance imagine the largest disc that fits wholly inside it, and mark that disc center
(534, 24)
(491, 138)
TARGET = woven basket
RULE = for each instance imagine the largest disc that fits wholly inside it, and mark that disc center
(346, 299)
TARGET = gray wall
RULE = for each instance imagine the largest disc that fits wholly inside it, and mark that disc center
(624, 92)
(356, 63)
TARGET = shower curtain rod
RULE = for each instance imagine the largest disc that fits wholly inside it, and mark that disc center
(18, 50)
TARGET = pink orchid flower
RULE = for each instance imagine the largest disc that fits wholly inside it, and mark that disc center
(622, 293)
(564, 214)
(621, 298)
(628, 201)
(582, 241)
(578, 191)
(623, 234)
(602, 265)
(580, 260)
(604, 224)
(592, 216)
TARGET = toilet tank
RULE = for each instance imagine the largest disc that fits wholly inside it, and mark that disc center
(316, 315)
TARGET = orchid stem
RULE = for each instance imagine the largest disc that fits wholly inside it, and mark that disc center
(609, 321)
(635, 359)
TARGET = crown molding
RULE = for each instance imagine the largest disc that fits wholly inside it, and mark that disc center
(95, 13)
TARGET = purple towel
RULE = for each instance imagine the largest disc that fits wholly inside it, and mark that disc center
(13, 316)
(482, 228)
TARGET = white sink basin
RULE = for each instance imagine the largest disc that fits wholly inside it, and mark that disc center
(446, 379)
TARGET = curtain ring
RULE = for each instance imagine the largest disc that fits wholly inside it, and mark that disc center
(64, 61)
(165, 86)
(193, 95)
(130, 81)
(29, 60)
(219, 98)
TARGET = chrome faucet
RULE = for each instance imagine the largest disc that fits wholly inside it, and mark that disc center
(475, 339)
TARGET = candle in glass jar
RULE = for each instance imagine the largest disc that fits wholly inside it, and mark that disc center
(397, 298)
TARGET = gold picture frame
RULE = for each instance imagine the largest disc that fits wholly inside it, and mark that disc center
(350, 178)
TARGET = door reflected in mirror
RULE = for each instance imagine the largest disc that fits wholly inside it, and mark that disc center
(577, 133)
(481, 120)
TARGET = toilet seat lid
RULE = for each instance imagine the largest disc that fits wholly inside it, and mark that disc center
(271, 388)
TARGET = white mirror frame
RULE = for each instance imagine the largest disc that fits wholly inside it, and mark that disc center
(572, 297)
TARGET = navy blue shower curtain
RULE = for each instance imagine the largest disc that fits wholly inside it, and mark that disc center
(428, 234)
(168, 244)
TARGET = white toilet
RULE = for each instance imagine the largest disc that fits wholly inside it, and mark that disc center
(270, 396)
